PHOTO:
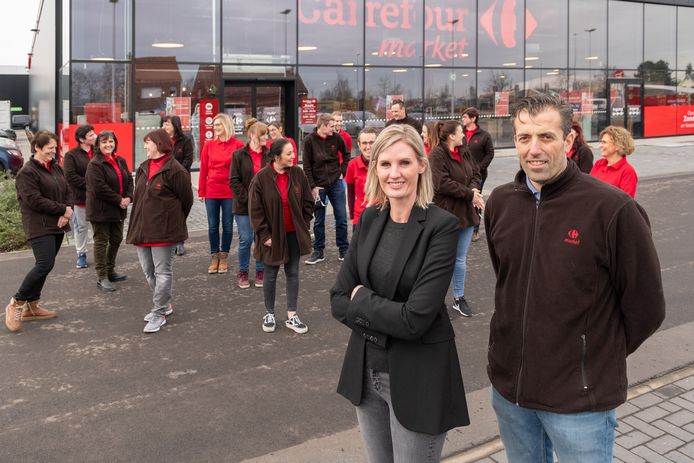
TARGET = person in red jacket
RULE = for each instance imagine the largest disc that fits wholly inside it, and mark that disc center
(616, 144)
(214, 190)
(275, 132)
(356, 175)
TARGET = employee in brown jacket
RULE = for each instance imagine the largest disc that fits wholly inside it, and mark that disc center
(46, 206)
(161, 203)
(75, 166)
(246, 162)
(281, 207)
(109, 191)
(457, 182)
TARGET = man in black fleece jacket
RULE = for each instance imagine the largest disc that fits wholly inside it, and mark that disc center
(578, 289)
(322, 166)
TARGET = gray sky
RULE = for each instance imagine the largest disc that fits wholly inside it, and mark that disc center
(18, 17)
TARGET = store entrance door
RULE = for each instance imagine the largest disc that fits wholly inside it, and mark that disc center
(625, 107)
(267, 101)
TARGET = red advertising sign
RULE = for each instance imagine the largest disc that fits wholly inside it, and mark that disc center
(501, 103)
(179, 106)
(208, 110)
(668, 120)
(309, 110)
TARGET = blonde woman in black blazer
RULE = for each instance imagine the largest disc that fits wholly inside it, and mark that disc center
(401, 368)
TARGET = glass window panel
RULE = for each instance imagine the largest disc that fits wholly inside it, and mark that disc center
(660, 34)
(588, 99)
(497, 91)
(101, 30)
(685, 38)
(100, 93)
(685, 103)
(178, 30)
(394, 33)
(588, 34)
(545, 24)
(265, 33)
(448, 92)
(386, 84)
(501, 33)
(162, 89)
(626, 34)
(332, 33)
(449, 32)
(553, 82)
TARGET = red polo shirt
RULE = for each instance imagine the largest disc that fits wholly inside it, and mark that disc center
(356, 180)
(282, 181)
(620, 174)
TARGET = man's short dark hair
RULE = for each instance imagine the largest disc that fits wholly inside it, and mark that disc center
(82, 131)
(472, 113)
(536, 104)
(324, 119)
(367, 130)
(398, 102)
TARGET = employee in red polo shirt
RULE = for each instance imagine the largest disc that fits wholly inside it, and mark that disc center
(616, 144)
(337, 117)
(355, 178)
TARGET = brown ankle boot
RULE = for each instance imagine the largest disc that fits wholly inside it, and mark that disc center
(13, 314)
(34, 311)
(223, 265)
(214, 264)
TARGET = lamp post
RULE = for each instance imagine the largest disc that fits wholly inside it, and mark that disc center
(285, 13)
(590, 60)
(453, 76)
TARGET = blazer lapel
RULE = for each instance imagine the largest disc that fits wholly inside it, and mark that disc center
(413, 229)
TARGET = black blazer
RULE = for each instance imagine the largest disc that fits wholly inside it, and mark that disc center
(411, 321)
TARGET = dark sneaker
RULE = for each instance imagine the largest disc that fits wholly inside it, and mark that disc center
(155, 323)
(243, 280)
(180, 249)
(82, 261)
(105, 285)
(117, 276)
(315, 257)
(460, 305)
(169, 311)
(269, 323)
(295, 324)
(342, 255)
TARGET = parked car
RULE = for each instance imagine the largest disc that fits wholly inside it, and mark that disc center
(11, 159)
(8, 133)
(19, 121)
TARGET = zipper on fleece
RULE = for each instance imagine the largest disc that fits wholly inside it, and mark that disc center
(583, 362)
(527, 293)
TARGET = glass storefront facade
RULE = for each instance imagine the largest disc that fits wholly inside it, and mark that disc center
(126, 63)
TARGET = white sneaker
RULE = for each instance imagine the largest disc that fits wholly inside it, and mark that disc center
(169, 311)
(269, 323)
(155, 323)
(295, 324)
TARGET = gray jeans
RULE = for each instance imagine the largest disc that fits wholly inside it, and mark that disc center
(385, 439)
(80, 228)
(156, 263)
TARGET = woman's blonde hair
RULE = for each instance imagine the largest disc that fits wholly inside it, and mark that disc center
(387, 138)
(621, 138)
(227, 123)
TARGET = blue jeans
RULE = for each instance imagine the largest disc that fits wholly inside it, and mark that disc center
(338, 199)
(385, 439)
(532, 435)
(213, 206)
(464, 239)
(243, 224)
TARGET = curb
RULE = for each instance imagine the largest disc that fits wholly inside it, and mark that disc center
(493, 446)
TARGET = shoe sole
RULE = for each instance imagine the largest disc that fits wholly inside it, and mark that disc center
(117, 280)
(220, 271)
(106, 290)
(268, 330)
(245, 286)
(314, 262)
(297, 330)
(154, 331)
(258, 285)
(166, 315)
(81, 266)
(212, 273)
(28, 319)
